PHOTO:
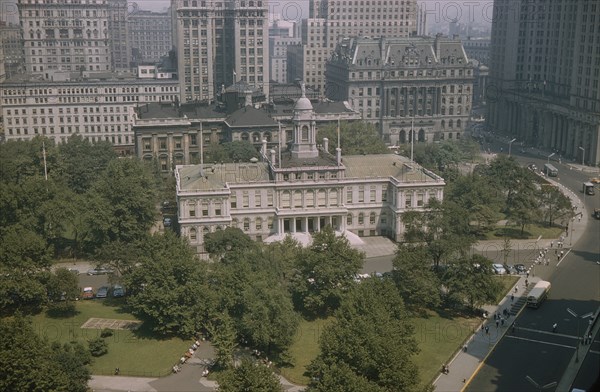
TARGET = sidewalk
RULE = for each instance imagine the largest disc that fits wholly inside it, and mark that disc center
(465, 364)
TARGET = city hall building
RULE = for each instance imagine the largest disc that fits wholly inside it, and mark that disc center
(300, 189)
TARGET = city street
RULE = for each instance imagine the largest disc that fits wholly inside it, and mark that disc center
(534, 350)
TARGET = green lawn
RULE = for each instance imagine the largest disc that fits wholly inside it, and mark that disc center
(439, 336)
(530, 232)
(134, 353)
(304, 349)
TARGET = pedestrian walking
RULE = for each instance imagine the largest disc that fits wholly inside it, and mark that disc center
(526, 282)
(502, 321)
(554, 327)
(516, 288)
(487, 330)
(512, 298)
(527, 274)
(497, 323)
(589, 338)
(514, 326)
(551, 244)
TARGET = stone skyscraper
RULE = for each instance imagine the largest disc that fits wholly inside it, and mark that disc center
(331, 20)
(218, 43)
(545, 74)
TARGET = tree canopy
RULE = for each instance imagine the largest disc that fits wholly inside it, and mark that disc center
(249, 376)
(356, 137)
(324, 272)
(370, 338)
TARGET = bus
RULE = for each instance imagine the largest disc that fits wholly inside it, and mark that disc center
(588, 188)
(550, 170)
(538, 294)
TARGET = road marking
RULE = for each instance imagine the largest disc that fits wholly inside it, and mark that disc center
(546, 332)
(541, 341)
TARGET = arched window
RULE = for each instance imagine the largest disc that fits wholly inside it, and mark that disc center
(193, 234)
(304, 133)
(451, 111)
(333, 197)
(245, 136)
(383, 218)
(205, 231)
(258, 223)
(372, 218)
(458, 123)
(450, 123)
(349, 219)
(361, 218)
(235, 223)
(256, 137)
(246, 224)
(268, 137)
(402, 136)
(443, 124)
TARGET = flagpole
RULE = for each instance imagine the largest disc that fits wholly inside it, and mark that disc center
(279, 140)
(412, 138)
(201, 145)
(338, 133)
(45, 166)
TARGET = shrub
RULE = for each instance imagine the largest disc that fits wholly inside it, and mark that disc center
(106, 332)
(98, 347)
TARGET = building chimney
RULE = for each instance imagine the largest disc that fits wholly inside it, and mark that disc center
(339, 156)
(272, 157)
(264, 148)
(248, 101)
(326, 144)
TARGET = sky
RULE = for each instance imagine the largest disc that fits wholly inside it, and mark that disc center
(438, 11)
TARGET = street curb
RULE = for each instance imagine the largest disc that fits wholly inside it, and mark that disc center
(482, 362)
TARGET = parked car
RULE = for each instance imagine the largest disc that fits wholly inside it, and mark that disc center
(520, 268)
(74, 271)
(118, 291)
(510, 269)
(88, 293)
(498, 269)
(102, 292)
(99, 271)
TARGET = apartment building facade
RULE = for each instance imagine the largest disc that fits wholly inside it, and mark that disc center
(150, 35)
(219, 43)
(331, 20)
(99, 109)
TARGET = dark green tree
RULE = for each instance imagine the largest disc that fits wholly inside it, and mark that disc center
(73, 359)
(80, 162)
(224, 339)
(249, 376)
(63, 290)
(122, 202)
(324, 272)
(554, 204)
(417, 283)
(232, 241)
(338, 377)
(168, 287)
(372, 336)
(22, 371)
(356, 137)
(470, 281)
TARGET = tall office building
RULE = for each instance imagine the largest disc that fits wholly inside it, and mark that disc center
(149, 35)
(118, 36)
(329, 21)
(12, 48)
(59, 38)
(545, 74)
(218, 43)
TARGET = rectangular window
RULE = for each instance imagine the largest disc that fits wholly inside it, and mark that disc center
(361, 194)
(218, 211)
(349, 196)
(310, 198)
(270, 199)
(384, 192)
(204, 209)
(372, 218)
(233, 200)
(408, 200)
(245, 200)
(270, 223)
(192, 211)
(297, 199)
(420, 199)
(257, 199)
(372, 195)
